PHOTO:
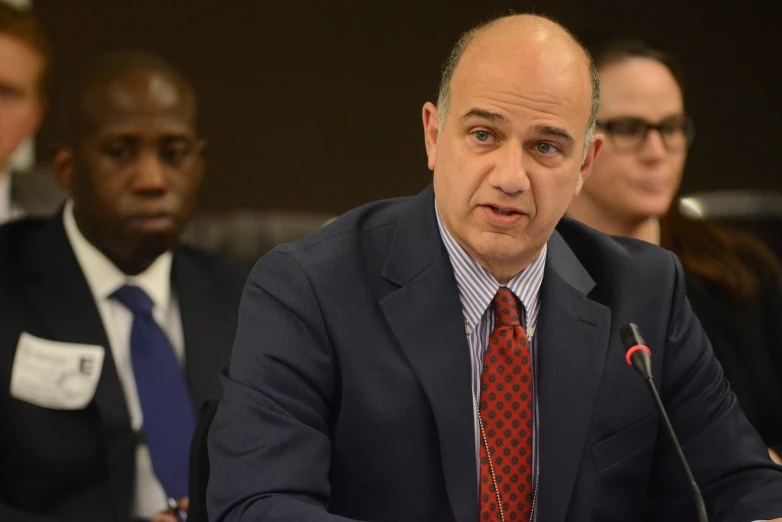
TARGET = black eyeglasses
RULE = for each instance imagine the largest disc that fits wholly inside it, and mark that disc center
(629, 134)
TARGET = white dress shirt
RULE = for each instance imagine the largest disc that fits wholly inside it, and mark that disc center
(8, 210)
(104, 278)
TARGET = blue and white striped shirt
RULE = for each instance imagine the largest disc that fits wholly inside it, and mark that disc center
(477, 287)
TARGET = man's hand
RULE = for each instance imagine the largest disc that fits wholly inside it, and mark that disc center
(169, 515)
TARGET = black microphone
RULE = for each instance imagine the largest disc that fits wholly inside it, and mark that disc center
(639, 356)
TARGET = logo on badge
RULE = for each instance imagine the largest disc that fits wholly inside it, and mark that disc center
(86, 365)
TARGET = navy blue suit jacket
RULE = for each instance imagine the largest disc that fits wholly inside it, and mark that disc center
(348, 394)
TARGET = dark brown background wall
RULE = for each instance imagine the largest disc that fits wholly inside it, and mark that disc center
(316, 105)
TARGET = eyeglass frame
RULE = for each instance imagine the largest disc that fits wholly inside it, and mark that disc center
(689, 132)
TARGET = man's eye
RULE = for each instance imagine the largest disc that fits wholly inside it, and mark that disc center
(482, 136)
(174, 154)
(118, 153)
(546, 148)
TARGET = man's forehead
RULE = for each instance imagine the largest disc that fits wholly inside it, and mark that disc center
(521, 70)
(507, 92)
(138, 92)
(146, 91)
(532, 55)
(150, 102)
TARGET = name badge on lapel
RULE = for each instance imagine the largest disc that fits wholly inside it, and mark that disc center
(55, 375)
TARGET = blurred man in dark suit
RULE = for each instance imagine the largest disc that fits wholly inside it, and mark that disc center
(111, 334)
(24, 68)
(455, 356)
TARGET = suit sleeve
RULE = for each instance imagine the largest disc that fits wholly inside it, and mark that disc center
(729, 461)
(269, 445)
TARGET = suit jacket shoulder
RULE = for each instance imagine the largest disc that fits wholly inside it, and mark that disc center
(614, 259)
(221, 271)
(12, 237)
(375, 217)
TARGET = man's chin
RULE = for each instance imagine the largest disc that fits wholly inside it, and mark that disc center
(151, 246)
(500, 246)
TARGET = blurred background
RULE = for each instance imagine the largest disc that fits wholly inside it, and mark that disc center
(316, 105)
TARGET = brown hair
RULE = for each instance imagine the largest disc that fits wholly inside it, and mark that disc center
(732, 258)
(23, 26)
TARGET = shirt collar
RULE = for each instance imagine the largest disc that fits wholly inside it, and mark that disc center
(477, 287)
(104, 278)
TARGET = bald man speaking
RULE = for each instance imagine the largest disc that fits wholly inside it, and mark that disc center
(455, 356)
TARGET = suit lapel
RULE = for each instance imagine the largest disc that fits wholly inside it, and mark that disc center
(60, 294)
(573, 336)
(425, 314)
(204, 322)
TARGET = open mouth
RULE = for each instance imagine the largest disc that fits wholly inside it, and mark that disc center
(502, 217)
(504, 212)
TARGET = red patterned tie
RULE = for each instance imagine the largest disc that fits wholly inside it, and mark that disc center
(506, 417)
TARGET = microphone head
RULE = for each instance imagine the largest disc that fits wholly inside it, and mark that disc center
(631, 336)
(638, 354)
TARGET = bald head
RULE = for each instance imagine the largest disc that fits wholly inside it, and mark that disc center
(126, 82)
(534, 42)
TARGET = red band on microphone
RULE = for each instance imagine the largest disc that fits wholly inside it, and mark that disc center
(634, 349)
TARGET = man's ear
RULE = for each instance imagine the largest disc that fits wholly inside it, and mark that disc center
(431, 120)
(62, 160)
(589, 161)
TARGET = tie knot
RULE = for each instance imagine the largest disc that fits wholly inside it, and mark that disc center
(506, 306)
(134, 298)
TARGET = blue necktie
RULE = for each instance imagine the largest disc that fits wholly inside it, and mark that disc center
(165, 402)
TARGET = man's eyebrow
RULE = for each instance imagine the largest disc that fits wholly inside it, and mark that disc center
(549, 130)
(486, 115)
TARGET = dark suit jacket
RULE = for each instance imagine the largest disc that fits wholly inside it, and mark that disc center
(79, 465)
(348, 394)
(747, 340)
